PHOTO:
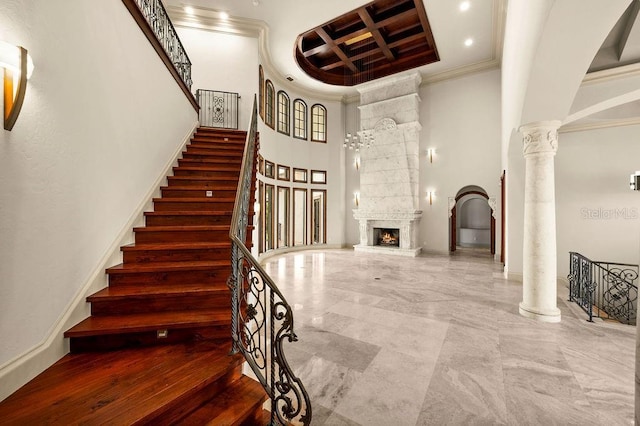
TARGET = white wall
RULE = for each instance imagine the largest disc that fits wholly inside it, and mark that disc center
(223, 62)
(101, 118)
(597, 215)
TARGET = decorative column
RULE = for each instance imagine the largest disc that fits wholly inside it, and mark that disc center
(539, 287)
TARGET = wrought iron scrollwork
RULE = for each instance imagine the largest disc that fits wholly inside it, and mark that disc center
(218, 109)
(262, 320)
(158, 19)
(604, 289)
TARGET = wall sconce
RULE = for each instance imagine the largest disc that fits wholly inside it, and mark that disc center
(256, 207)
(430, 196)
(18, 67)
(430, 153)
(356, 198)
(634, 183)
(357, 163)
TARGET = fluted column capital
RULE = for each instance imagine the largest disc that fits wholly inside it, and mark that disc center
(540, 137)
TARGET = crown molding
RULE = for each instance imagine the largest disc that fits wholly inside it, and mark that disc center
(632, 70)
(208, 20)
(580, 127)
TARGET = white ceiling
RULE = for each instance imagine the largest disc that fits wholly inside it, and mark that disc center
(286, 19)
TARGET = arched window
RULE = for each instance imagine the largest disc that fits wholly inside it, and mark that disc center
(318, 123)
(270, 104)
(299, 119)
(261, 91)
(283, 112)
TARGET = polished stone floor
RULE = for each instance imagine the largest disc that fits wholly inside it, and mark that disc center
(437, 340)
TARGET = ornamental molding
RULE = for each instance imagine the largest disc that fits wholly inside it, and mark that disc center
(452, 204)
(493, 204)
(360, 214)
(385, 124)
(540, 138)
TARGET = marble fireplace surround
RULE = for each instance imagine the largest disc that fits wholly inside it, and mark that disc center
(389, 169)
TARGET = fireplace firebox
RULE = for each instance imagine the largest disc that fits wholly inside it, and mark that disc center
(386, 237)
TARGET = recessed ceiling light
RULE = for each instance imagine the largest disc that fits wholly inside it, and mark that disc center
(188, 10)
(464, 6)
(468, 42)
(224, 15)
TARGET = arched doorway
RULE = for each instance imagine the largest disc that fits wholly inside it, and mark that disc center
(472, 219)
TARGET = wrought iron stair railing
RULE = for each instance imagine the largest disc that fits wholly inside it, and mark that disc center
(604, 289)
(218, 109)
(262, 320)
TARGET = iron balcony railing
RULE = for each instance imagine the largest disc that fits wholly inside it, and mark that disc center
(218, 109)
(262, 320)
(156, 16)
(604, 289)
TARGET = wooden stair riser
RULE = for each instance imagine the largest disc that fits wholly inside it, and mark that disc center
(191, 220)
(218, 153)
(210, 161)
(153, 303)
(211, 158)
(207, 204)
(185, 235)
(188, 171)
(217, 145)
(200, 181)
(110, 342)
(171, 255)
(197, 192)
(172, 415)
(212, 277)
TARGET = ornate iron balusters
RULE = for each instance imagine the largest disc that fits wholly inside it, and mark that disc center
(218, 109)
(261, 317)
(603, 289)
(158, 19)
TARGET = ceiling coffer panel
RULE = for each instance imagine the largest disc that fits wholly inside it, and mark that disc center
(378, 39)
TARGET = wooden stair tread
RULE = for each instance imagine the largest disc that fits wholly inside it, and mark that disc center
(201, 178)
(199, 188)
(181, 228)
(208, 169)
(239, 401)
(194, 200)
(167, 290)
(120, 387)
(190, 213)
(101, 325)
(197, 265)
(175, 246)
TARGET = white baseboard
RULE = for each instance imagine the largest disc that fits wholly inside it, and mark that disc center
(24, 367)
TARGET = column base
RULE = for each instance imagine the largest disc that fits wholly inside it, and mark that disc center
(542, 315)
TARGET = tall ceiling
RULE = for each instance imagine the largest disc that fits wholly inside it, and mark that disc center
(285, 20)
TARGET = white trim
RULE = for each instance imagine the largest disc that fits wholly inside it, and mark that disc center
(24, 367)
(603, 76)
(579, 127)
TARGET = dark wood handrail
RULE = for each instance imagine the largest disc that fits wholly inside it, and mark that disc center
(148, 31)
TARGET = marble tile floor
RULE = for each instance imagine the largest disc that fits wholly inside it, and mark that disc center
(437, 340)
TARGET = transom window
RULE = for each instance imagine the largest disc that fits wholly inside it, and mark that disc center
(283, 112)
(318, 123)
(270, 105)
(299, 119)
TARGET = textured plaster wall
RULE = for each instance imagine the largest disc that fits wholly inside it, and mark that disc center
(101, 118)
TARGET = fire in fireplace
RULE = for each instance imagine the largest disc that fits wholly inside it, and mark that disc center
(387, 237)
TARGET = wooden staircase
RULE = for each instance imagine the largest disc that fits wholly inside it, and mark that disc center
(155, 349)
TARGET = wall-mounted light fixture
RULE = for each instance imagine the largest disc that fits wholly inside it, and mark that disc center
(430, 153)
(634, 183)
(356, 198)
(357, 162)
(430, 196)
(18, 66)
(256, 207)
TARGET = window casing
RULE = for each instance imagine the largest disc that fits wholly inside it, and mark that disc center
(318, 123)
(283, 112)
(270, 105)
(261, 90)
(299, 119)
